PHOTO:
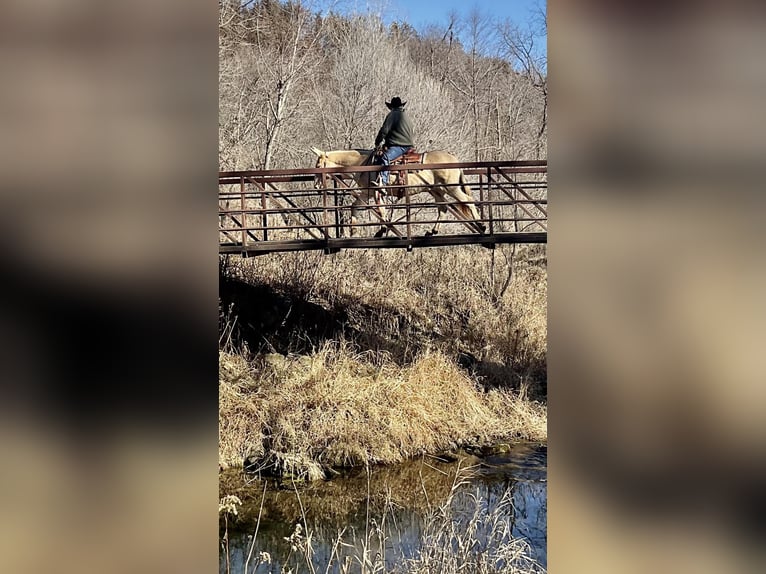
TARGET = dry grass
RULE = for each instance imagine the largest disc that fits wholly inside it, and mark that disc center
(479, 542)
(338, 408)
(492, 304)
(397, 391)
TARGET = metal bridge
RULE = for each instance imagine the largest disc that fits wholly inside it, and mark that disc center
(270, 211)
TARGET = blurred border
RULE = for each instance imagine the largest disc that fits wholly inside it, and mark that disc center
(656, 312)
(109, 156)
(108, 333)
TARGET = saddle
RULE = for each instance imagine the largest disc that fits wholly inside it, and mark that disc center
(411, 156)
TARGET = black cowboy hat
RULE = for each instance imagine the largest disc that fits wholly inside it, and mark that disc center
(396, 102)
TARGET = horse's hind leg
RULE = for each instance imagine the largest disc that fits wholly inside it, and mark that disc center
(472, 215)
(435, 229)
(441, 204)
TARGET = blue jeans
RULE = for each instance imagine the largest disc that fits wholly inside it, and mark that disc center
(389, 156)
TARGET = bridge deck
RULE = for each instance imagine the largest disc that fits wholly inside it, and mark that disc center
(335, 245)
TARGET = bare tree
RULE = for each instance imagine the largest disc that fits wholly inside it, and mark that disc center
(350, 90)
(471, 76)
(288, 48)
(242, 85)
(522, 47)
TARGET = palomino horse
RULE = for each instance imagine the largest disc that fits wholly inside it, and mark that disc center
(437, 182)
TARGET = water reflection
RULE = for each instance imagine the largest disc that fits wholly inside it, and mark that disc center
(385, 511)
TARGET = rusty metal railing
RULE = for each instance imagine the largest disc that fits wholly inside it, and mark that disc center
(284, 210)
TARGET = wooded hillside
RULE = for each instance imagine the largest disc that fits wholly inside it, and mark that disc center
(291, 78)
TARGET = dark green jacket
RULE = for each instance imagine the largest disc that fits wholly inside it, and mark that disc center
(396, 130)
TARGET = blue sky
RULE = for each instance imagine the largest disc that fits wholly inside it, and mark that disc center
(420, 13)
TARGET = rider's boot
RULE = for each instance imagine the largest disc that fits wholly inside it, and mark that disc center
(378, 184)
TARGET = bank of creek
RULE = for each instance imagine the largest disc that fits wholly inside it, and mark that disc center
(389, 514)
(329, 373)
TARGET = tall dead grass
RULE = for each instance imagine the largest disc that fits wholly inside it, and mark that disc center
(397, 391)
(491, 304)
(479, 542)
(338, 407)
(455, 538)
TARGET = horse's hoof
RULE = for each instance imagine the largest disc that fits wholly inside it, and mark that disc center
(381, 232)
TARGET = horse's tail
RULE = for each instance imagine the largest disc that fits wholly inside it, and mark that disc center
(464, 184)
(469, 208)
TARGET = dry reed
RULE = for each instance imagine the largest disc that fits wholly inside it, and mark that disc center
(340, 408)
(466, 537)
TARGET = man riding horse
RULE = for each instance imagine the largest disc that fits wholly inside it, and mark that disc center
(394, 139)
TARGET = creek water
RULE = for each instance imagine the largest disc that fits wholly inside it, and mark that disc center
(386, 509)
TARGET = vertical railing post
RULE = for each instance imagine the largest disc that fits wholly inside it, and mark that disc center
(481, 197)
(515, 199)
(264, 215)
(242, 207)
(325, 224)
(408, 209)
(545, 212)
(490, 205)
(326, 182)
(336, 204)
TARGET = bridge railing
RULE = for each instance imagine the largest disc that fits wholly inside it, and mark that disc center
(278, 210)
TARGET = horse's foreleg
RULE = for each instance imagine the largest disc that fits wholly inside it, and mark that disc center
(367, 201)
(380, 209)
(380, 206)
